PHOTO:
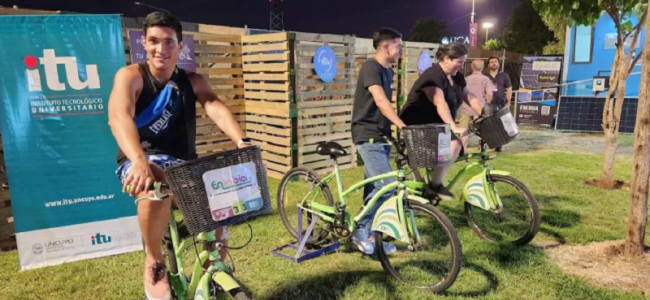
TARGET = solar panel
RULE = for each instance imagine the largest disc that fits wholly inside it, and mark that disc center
(579, 113)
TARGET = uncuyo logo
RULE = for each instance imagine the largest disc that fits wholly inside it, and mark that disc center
(50, 63)
(237, 180)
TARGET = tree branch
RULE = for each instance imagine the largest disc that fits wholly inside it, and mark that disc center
(636, 59)
(612, 11)
(638, 26)
(637, 32)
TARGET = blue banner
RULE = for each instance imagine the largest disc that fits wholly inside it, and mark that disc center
(56, 76)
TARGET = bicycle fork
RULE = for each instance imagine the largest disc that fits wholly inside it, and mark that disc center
(217, 271)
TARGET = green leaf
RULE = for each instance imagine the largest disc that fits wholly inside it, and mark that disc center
(576, 5)
(626, 26)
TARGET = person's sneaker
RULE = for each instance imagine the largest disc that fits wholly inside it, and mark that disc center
(389, 248)
(156, 285)
(360, 238)
(498, 149)
(443, 193)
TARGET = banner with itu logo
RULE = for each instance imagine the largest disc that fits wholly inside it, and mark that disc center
(56, 76)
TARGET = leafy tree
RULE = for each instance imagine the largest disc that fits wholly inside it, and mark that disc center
(557, 24)
(493, 44)
(525, 32)
(429, 30)
(586, 12)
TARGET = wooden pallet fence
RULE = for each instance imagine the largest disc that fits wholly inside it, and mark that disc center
(324, 110)
(268, 96)
(219, 58)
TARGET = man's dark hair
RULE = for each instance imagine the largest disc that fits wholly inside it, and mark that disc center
(163, 19)
(494, 57)
(383, 35)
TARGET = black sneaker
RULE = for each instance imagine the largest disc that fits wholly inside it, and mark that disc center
(443, 193)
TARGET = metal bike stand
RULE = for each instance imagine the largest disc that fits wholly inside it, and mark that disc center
(301, 253)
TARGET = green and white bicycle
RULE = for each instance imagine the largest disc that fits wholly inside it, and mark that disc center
(236, 180)
(498, 207)
(429, 254)
(215, 282)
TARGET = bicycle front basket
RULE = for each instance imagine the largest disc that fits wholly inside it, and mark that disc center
(428, 146)
(220, 189)
(499, 129)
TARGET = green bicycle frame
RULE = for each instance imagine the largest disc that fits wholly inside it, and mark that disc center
(199, 287)
(494, 202)
(326, 212)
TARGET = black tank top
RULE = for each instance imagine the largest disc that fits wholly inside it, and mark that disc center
(165, 115)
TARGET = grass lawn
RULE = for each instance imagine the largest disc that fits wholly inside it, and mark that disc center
(571, 213)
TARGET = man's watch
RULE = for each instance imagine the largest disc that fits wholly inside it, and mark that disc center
(244, 141)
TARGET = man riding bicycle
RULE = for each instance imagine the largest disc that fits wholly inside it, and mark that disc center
(436, 97)
(152, 114)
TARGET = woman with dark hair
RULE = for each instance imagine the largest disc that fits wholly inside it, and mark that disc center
(434, 99)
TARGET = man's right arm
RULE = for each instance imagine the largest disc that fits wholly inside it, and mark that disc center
(384, 105)
(121, 111)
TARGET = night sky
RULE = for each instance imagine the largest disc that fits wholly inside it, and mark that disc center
(360, 17)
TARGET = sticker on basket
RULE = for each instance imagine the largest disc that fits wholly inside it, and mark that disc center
(232, 191)
(509, 124)
(444, 147)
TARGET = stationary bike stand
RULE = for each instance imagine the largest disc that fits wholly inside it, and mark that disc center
(301, 253)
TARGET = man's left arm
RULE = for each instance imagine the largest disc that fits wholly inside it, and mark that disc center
(218, 112)
(508, 90)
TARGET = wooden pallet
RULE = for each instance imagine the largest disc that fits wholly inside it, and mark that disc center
(267, 94)
(324, 109)
(219, 58)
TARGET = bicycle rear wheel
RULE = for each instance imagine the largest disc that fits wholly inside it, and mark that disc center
(518, 220)
(432, 264)
(298, 185)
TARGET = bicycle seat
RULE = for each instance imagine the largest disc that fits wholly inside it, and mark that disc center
(332, 149)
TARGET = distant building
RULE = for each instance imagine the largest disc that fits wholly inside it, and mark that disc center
(589, 51)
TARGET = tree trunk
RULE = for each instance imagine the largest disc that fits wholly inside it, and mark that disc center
(636, 223)
(611, 145)
(612, 116)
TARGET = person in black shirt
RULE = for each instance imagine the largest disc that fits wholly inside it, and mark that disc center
(435, 98)
(502, 86)
(372, 115)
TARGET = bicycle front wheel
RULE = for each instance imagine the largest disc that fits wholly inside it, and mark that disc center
(517, 222)
(433, 259)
